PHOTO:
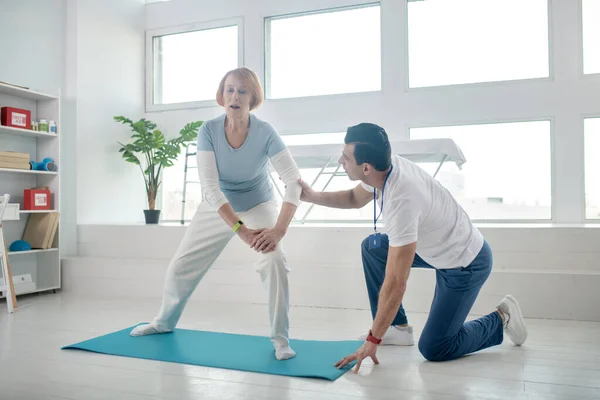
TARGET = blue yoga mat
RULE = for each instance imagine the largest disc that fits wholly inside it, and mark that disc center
(314, 359)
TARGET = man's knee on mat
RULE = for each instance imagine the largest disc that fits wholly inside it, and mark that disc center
(434, 351)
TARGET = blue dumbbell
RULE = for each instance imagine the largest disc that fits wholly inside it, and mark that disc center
(47, 164)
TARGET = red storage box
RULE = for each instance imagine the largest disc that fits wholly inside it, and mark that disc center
(36, 199)
(15, 117)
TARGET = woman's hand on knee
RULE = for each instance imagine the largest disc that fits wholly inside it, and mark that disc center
(249, 235)
(267, 240)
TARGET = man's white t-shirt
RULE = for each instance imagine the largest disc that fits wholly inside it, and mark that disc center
(417, 208)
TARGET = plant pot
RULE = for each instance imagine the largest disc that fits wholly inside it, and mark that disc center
(152, 216)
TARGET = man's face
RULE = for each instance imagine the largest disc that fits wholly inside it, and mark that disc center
(355, 172)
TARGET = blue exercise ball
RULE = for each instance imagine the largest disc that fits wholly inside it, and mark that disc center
(20, 245)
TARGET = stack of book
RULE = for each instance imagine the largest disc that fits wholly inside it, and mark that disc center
(14, 160)
(40, 231)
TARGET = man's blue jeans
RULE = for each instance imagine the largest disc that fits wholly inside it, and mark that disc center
(446, 336)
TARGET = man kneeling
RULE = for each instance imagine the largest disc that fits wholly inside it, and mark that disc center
(426, 228)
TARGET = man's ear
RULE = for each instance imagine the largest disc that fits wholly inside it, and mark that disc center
(367, 168)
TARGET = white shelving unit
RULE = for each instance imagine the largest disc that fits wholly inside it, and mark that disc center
(25, 132)
(42, 266)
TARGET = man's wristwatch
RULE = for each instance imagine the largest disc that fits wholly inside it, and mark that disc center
(373, 339)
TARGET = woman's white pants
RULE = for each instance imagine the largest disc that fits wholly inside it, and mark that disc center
(204, 240)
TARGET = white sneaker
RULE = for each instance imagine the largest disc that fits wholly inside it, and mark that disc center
(514, 325)
(396, 336)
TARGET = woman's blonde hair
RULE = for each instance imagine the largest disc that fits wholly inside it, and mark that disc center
(252, 84)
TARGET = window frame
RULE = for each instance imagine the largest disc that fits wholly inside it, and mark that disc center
(509, 221)
(194, 27)
(487, 84)
(266, 42)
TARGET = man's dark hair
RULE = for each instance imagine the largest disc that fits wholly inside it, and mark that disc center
(371, 145)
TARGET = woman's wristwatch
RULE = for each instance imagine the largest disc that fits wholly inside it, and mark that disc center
(237, 226)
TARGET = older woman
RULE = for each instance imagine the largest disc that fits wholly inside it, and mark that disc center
(234, 150)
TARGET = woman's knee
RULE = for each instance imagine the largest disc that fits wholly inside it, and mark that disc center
(274, 260)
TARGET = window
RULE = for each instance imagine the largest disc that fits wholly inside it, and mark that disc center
(173, 185)
(507, 175)
(592, 168)
(469, 41)
(591, 34)
(171, 193)
(320, 53)
(315, 138)
(315, 213)
(323, 180)
(187, 66)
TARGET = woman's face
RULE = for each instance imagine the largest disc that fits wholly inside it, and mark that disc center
(236, 97)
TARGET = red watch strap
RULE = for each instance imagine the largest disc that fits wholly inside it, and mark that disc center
(373, 339)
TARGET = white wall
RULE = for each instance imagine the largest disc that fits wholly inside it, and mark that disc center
(553, 272)
(32, 39)
(93, 52)
(109, 75)
(32, 42)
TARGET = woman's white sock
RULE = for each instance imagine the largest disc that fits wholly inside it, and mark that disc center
(284, 352)
(146, 329)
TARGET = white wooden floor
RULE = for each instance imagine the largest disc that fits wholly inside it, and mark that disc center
(561, 359)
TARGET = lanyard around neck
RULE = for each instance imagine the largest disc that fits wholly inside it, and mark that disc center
(375, 217)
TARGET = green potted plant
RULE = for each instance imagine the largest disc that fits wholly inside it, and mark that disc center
(152, 153)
